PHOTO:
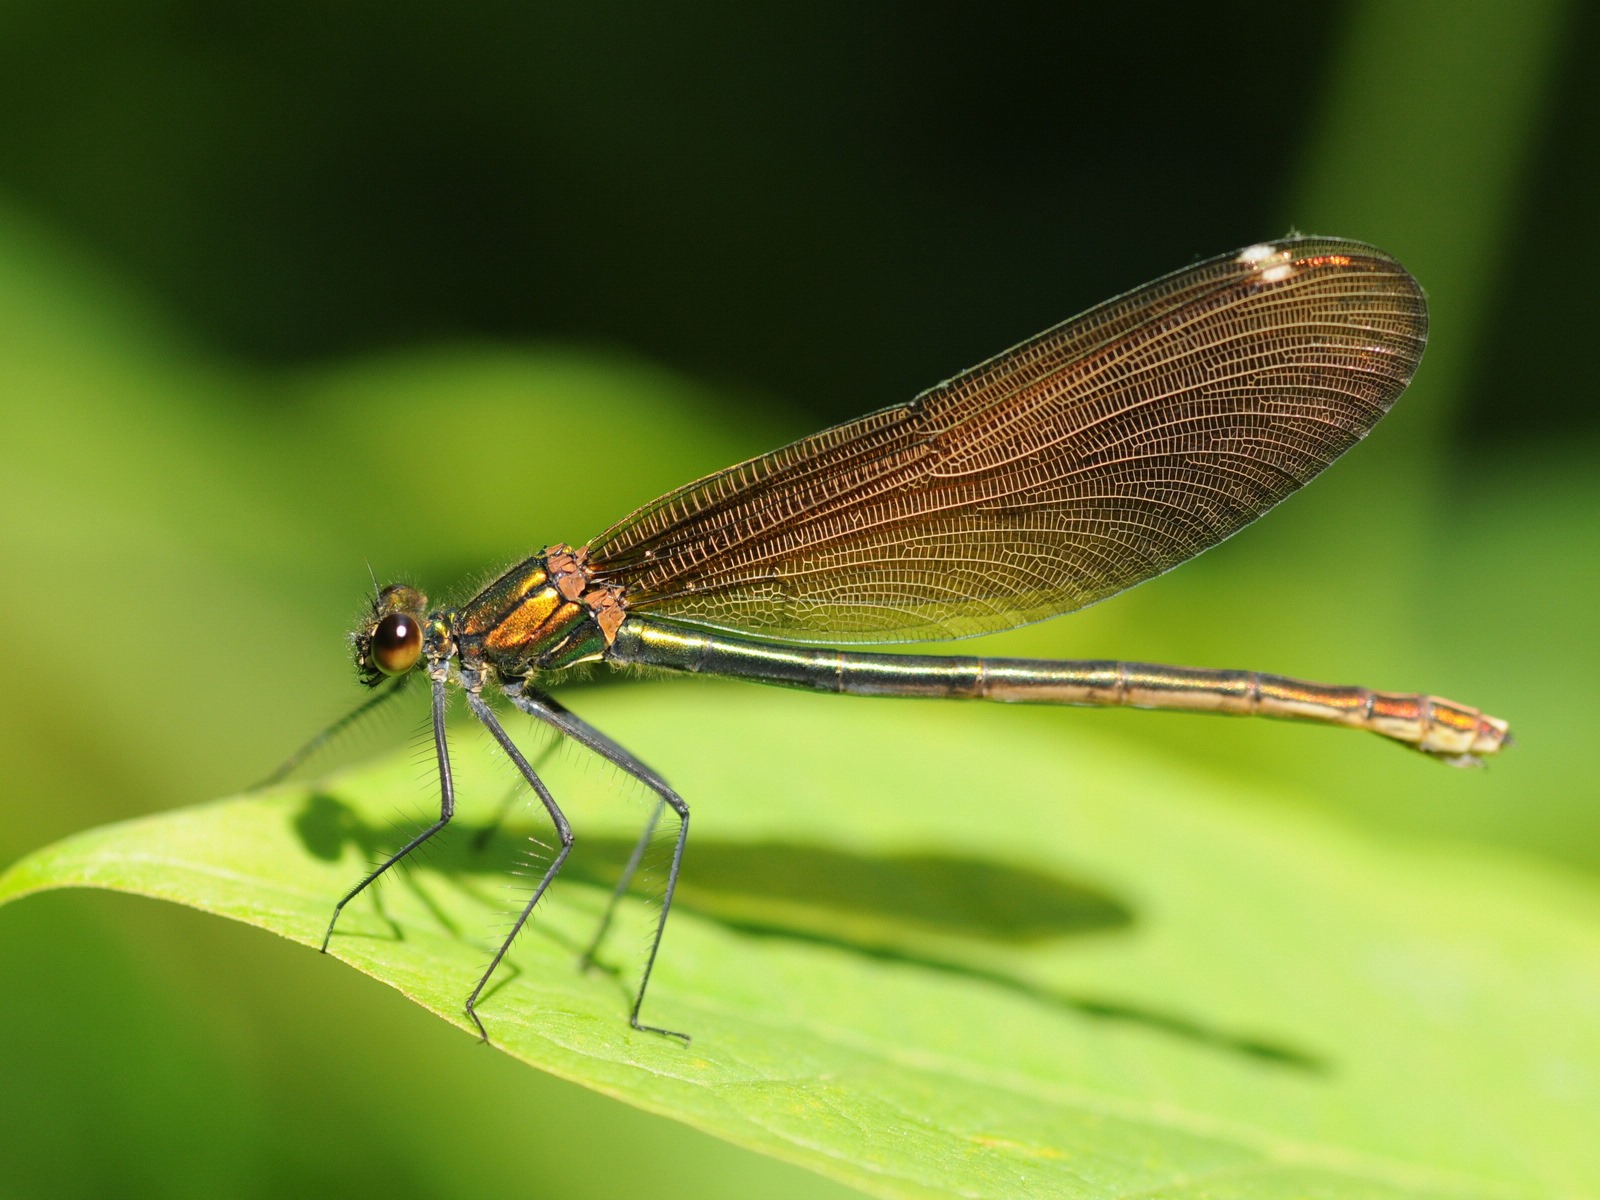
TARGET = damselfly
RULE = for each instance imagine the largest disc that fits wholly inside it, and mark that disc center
(1087, 459)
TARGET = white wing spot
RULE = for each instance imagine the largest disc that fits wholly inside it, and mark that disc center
(1273, 264)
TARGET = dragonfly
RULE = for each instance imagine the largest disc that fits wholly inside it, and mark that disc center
(1089, 458)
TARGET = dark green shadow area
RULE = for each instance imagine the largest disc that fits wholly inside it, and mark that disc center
(958, 916)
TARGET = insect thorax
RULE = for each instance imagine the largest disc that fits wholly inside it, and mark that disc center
(543, 614)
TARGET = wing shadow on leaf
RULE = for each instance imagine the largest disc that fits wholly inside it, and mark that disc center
(968, 917)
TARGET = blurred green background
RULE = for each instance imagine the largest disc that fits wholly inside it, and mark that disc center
(289, 290)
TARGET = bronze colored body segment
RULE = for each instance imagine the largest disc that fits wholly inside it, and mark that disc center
(525, 622)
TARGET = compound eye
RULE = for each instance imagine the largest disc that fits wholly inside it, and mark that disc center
(396, 643)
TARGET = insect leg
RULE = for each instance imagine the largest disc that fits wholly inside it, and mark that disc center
(546, 709)
(283, 769)
(485, 714)
(502, 814)
(447, 808)
(587, 959)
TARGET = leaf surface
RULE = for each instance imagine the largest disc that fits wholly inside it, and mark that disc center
(961, 952)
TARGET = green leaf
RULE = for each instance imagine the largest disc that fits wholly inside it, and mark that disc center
(936, 949)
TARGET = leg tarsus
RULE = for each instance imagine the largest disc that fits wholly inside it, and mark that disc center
(671, 1033)
(472, 1014)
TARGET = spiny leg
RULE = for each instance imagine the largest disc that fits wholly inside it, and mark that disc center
(600, 743)
(586, 960)
(489, 832)
(321, 739)
(545, 709)
(447, 808)
(485, 714)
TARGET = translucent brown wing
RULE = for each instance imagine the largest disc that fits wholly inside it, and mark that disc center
(1094, 456)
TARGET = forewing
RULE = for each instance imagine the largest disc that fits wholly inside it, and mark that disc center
(1090, 458)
